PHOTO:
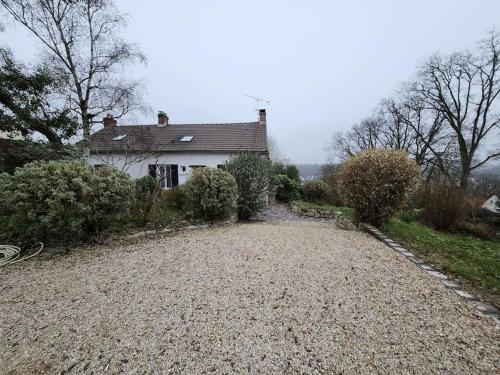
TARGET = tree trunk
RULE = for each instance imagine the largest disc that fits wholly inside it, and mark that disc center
(464, 178)
(86, 131)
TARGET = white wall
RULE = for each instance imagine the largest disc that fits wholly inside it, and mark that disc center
(11, 135)
(137, 165)
(491, 204)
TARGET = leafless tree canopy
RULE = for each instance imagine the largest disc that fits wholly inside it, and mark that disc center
(447, 117)
(83, 45)
(274, 149)
(126, 152)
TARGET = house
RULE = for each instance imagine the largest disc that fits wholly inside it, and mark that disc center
(170, 152)
(14, 135)
(491, 204)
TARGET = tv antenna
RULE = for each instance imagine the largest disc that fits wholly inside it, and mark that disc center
(257, 101)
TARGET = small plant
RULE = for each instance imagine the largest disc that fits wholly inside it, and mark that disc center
(476, 229)
(409, 215)
(251, 172)
(62, 201)
(286, 189)
(211, 194)
(377, 183)
(316, 191)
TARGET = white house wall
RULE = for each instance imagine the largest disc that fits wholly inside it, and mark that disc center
(137, 165)
(491, 204)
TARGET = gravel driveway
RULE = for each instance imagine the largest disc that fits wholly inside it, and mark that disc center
(279, 297)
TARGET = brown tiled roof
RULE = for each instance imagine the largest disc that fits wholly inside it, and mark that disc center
(234, 137)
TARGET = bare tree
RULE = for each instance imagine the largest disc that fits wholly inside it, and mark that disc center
(420, 132)
(363, 136)
(83, 44)
(464, 89)
(274, 149)
(125, 149)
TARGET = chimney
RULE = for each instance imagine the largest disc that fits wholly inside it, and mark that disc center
(109, 121)
(162, 119)
(262, 117)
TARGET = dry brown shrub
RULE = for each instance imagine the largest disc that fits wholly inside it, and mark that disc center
(444, 205)
(377, 183)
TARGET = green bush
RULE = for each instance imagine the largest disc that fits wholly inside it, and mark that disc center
(16, 153)
(289, 170)
(377, 183)
(164, 215)
(211, 194)
(251, 172)
(316, 191)
(146, 194)
(409, 215)
(62, 201)
(286, 189)
(329, 175)
(175, 198)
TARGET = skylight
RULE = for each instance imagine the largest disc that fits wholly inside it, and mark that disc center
(119, 137)
(186, 138)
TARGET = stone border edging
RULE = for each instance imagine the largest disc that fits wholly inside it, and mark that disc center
(483, 308)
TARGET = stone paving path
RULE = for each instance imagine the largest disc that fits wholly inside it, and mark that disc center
(281, 212)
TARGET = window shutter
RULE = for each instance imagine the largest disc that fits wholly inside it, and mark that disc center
(175, 175)
(152, 170)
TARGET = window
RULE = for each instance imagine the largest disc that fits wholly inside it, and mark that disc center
(98, 166)
(186, 138)
(119, 137)
(167, 174)
(221, 166)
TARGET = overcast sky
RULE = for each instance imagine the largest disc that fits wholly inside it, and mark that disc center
(323, 65)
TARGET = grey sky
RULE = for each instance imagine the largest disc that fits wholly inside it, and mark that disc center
(322, 64)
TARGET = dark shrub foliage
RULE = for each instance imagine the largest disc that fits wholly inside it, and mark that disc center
(316, 191)
(144, 187)
(285, 188)
(329, 175)
(444, 205)
(175, 198)
(377, 183)
(62, 201)
(251, 172)
(409, 215)
(477, 229)
(16, 153)
(211, 194)
(146, 194)
(289, 170)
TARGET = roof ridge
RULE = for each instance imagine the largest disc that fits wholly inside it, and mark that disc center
(200, 123)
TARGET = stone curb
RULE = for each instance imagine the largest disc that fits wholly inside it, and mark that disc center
(483, 308)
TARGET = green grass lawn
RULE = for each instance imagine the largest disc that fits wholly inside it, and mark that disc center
(473, 260)
(347, 212)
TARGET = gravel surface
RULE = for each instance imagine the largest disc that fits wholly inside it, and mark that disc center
(279, 297)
